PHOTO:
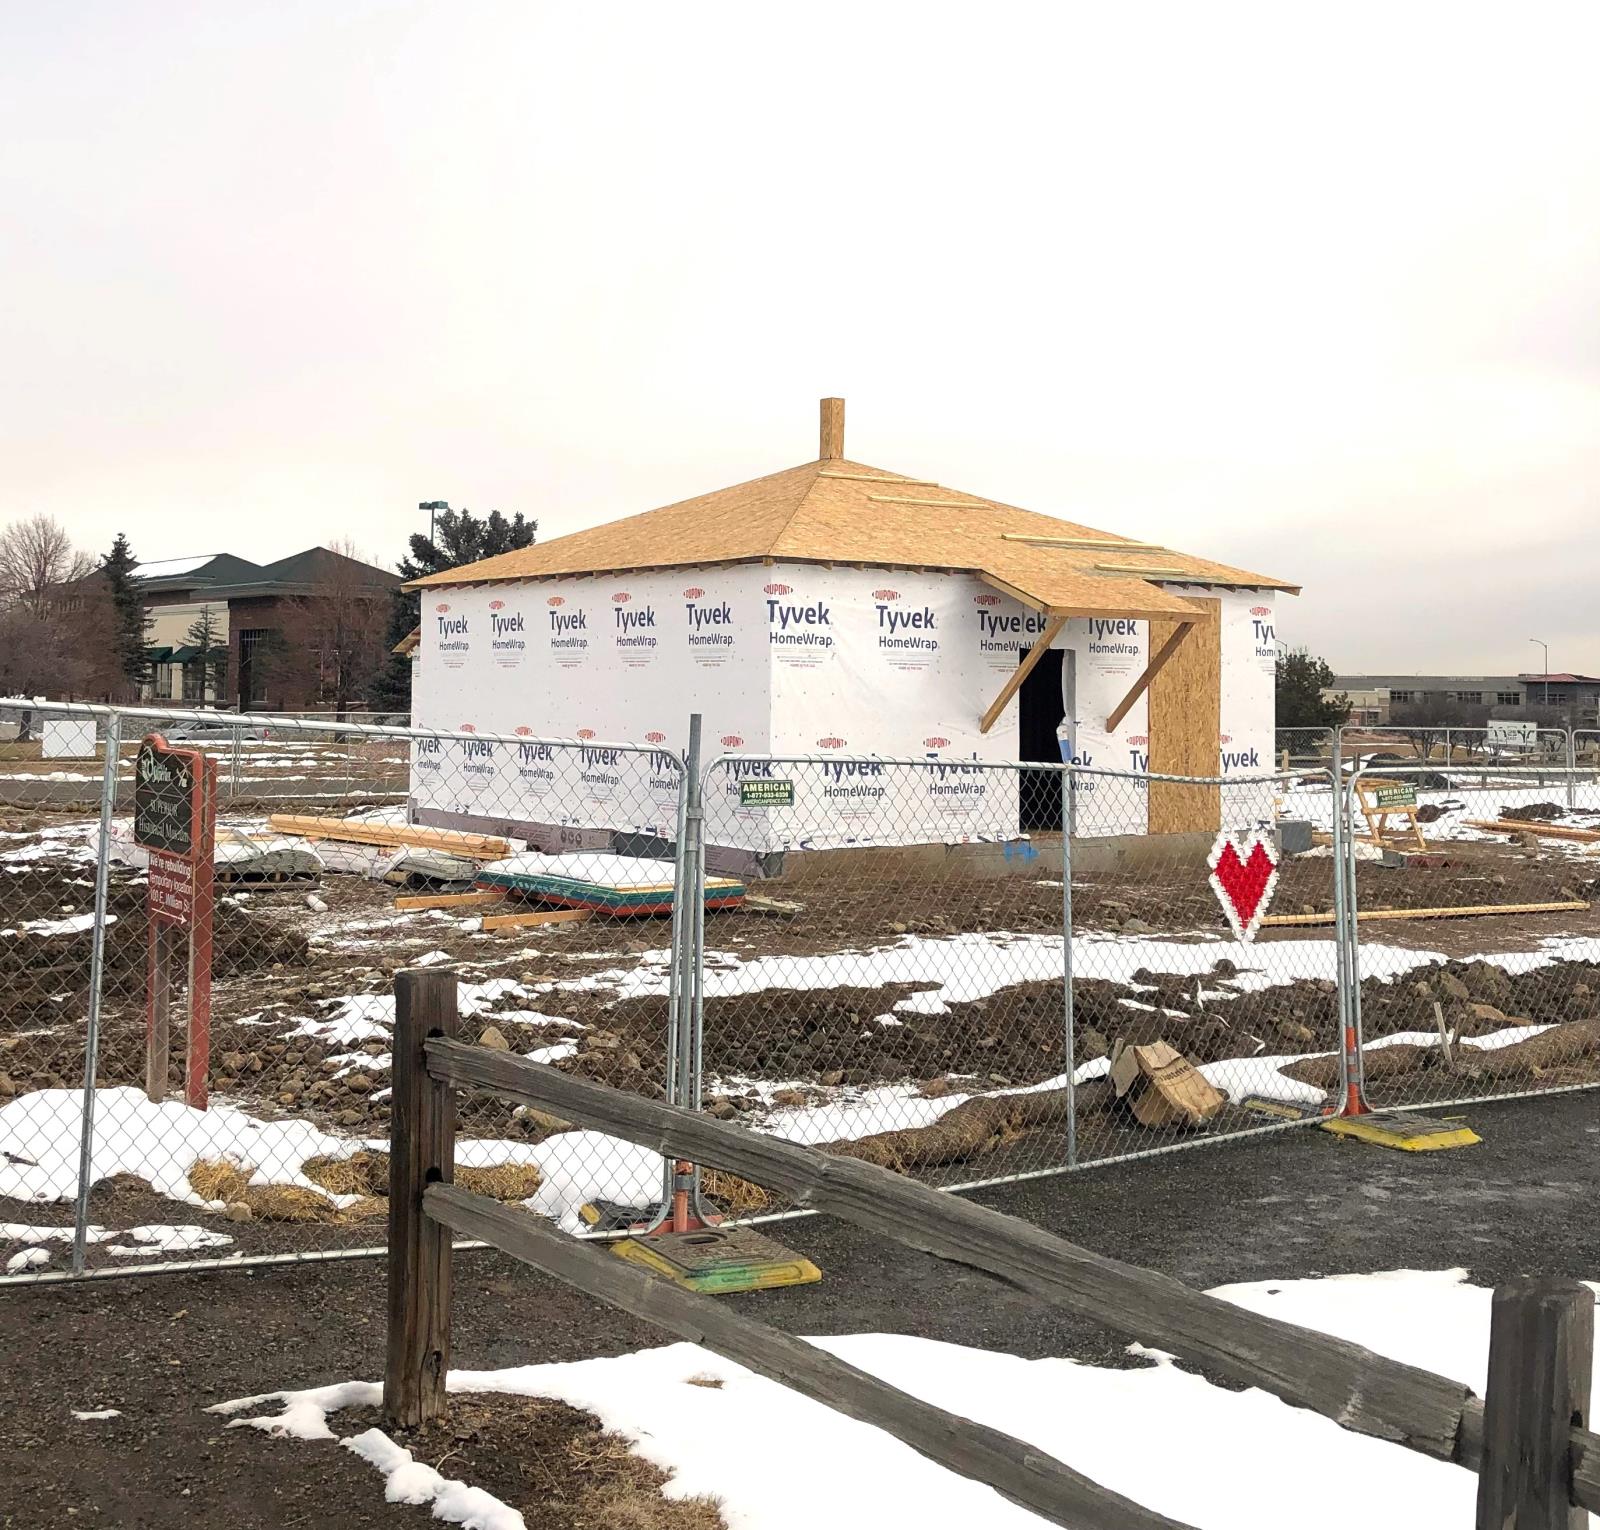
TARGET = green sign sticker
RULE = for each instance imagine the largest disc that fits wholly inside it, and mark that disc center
(1396, 796)
(763, 793)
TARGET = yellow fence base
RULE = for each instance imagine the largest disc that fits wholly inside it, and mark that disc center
(1403, 1130)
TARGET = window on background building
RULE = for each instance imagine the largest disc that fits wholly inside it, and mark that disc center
(1467, 698)
(1402, 698)
(1508, 698)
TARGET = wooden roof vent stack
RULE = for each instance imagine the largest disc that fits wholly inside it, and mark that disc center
(832, 429)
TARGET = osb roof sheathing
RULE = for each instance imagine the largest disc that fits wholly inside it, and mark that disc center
(813, 514)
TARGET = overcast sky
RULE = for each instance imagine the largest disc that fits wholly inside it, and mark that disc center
(1312, 289)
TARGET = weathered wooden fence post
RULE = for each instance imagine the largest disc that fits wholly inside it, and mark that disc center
(422, 1136)
(1541, 1350)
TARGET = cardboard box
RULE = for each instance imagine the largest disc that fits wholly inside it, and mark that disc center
(1162, 1087)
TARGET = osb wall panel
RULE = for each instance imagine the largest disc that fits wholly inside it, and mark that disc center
(1185, 722)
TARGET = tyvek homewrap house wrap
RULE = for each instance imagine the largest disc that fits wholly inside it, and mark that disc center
(842, 611)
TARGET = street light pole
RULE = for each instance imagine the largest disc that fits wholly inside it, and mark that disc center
(431, 506)
(1540, 643)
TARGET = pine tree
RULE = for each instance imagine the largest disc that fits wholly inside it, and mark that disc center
(129, 619)
(1301, 679)
(458, 537)
(205, 633)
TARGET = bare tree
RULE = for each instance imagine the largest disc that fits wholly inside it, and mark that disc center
(36, 557)
(331, 644)
(63, 649)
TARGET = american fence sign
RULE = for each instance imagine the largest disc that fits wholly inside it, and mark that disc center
(766, 793)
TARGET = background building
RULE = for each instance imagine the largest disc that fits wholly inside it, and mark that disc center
(1470, 700)
(302, 633)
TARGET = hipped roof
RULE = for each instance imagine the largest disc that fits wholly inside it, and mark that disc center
(835, 511)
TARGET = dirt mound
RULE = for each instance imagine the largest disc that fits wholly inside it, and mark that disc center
(39, 966)
(1534, 812)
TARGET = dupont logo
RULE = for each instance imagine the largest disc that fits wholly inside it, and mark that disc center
(830, 743)
(694, 592)
(497, 605)
(986, 600)
(469, 727)
(886, 594)
(556, 600)
(731, 741)
(441, 608)
(524, 731)
(1138, 740)
(585, 732)
(1261, 610)
(936, 742)
(622, 597)
(1224, 738)
(655, 736)
(778, 589)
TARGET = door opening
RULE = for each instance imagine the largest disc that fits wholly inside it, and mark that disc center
(1041, 704)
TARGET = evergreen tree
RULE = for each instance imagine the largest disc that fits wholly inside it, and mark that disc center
(129, 619)
(458, 537)
(1301, 679)
(205, 633)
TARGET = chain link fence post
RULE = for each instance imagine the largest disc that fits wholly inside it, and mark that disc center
(1068, 795)
(97, 957)
(680, 1182)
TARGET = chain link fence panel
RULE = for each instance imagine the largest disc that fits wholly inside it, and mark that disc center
(870, 956)
(1479, 944)
(1309, 749)
(541, 871)
(903, 994)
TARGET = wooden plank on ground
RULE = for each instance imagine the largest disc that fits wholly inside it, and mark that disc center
(1465, 911)
(542, 916)
(451, 841)
(413, 903)
(1013, 1468)
(1531, 826)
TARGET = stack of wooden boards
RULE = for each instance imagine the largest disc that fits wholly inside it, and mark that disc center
(565, 887)
(482, 847)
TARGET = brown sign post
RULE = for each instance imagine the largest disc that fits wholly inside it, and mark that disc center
(175, 819)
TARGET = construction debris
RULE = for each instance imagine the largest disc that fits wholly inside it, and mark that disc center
(1162, 1087)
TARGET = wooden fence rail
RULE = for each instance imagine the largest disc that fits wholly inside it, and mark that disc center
(1538, 1470)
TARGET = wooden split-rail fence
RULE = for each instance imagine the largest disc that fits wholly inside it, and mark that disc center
(1538, 1464)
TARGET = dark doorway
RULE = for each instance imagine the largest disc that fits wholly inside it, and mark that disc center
(1040, 708)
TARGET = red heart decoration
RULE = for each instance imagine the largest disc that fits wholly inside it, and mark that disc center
(1244, 883)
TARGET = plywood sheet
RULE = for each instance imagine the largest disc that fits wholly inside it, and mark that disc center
(1185, 725)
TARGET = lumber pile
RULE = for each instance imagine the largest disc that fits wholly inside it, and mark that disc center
(486, 847)
(1535, 826)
